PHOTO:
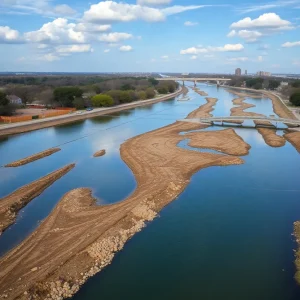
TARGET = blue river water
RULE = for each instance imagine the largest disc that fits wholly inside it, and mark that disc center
(227, 236)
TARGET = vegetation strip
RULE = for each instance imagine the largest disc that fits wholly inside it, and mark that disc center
(14, 202)
(78, 239)
(32, 158)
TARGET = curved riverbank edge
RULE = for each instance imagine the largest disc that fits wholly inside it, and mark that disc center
(32, 158)
(294, 139)
(279, 106)
(78, 239)
(14, 202)
(6, 130)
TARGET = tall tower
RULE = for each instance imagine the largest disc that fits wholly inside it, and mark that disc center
(238, 72)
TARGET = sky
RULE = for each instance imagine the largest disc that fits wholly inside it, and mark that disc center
(209, 36)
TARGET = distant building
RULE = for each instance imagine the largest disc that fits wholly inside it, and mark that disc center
(238, 72)
(263, 74)
(13, 99)
(246, 72)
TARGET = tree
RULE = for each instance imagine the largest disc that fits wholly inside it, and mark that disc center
(133, 95)
(127, 87)
(295, 99)
(296, 84)
(66, 95)
(78, 103)
(115, 94)
(274, 84)
(125, 97)
(102, 100)
(153, 81)
(142, 95)
(3, 100)
(150, 93)
(163, 90)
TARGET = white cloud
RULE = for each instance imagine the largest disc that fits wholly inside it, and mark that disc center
(153, 2)
(115, 37)
(111, 11)
(58, 31)
(49, 57)
(74, 49)
(193, 50)
(249, 36)
(64, 10)
(260, 58)
(87, 27)
(240, 59)
(291, 44)
(296, 63)
(106, 50)
(225, 48)
(8, 35)
(270, 21)
(194, 57)
(189, 23)
(276, 4)
(125, 48)
(165, 57)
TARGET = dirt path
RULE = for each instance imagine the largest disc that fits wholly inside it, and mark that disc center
(78, 239)
(49, 122)
(14, 202)
(32, 158)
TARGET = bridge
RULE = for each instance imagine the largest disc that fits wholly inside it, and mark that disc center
(214, 120)
(183, 79)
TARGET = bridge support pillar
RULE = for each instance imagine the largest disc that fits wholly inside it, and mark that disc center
(195, 84)
(183, 82)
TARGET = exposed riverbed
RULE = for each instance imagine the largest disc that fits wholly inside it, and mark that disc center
(227, 236)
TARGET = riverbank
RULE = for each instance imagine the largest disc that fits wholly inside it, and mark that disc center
(8, 129)
(78, 239)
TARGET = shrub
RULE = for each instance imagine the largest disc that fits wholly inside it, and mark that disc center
(163, 90)
(115, 94)
(125, 97)
(150, 93)
(66, 95)
(295, 99)
(142, 95)
(102, 100)
(78, 103)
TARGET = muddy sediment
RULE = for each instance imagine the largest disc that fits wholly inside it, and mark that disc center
(78, 239)
(99, 153)
(204, 110)
(226, 141)
(14, 202)
(198, 91)
(271, 138)
(294, 139)
(32, 158)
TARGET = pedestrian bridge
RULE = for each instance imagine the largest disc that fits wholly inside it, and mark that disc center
(217, 120)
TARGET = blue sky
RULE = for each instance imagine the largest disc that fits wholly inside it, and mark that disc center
(150, 35)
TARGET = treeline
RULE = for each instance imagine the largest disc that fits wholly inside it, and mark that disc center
(6, 108)
(257, 83)
(76, 97)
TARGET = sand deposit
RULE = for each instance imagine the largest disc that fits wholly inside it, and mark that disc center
(78, 239)
(99, 153)
(11, 204)
(204, 110)
(32, 158)
(198, 91)
(294, 139)
(271, 138)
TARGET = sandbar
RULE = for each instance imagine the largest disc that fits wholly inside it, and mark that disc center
(32, 158)
(99, 153)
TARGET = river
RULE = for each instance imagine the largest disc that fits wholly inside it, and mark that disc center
(227, 236)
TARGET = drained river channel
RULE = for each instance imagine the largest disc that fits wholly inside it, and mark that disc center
(228, 235)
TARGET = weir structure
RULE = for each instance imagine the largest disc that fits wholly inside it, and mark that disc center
(228, 121)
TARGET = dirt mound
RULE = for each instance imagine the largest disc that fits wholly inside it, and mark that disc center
(11, 204)
(99, 153)
(32, 158)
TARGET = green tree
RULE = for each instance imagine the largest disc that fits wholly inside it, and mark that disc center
(142, 95)
(102, 100)
(125, 97)
(115, 94)
(150, 93)
(296, 84)
(153, 81)
(163, 89)
(78, 103)
(3, 100)
(127, 87)
(133, 95)
(295, 99)
(274, 84)
(66, 95)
